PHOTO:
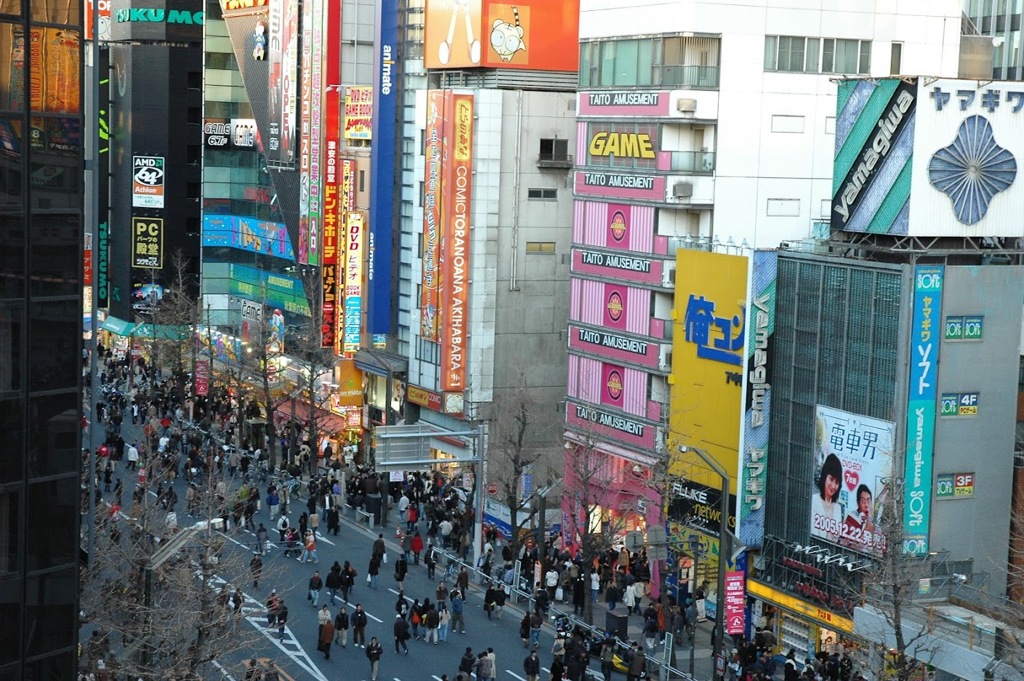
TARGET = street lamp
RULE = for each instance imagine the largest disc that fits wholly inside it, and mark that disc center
(724, 552)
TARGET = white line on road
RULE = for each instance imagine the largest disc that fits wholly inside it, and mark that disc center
(223, 671)
(509, 671)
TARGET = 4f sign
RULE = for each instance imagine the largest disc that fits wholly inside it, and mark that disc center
(148, 181)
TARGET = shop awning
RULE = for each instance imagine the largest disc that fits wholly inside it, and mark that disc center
(117, 326)
(162, 331)
(380, 362)
(325, 420)
(408, 446)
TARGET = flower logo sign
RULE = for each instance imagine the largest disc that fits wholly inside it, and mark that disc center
(972, 170)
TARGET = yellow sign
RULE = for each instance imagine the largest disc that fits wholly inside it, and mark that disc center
(708, 359)
(622, 144)
(148, 242)
(826, 618)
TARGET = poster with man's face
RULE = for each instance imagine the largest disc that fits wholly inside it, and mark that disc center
(852, 468)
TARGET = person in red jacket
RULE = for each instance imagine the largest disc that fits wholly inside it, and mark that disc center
(417, 548)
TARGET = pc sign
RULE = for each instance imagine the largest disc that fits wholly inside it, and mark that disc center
(148, 181)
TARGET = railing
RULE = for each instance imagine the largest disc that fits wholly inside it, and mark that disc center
(697, 77)
(554, 160)
(692, 161)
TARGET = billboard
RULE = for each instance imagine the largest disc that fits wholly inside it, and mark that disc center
(333, 180)
(708, 357)
(355, 221)
(954, 145)
(315, 132)
(924, 362)
(248, 234)
(236, 133)
(306, 95)
(438, 102)
(147, 181)
(102, 7)
(455, 259)
(625, 185)
(358, 113)
(530, 34)
(347, 202)
(654, 104)
(148, 242)
(382, 168)
(852, 469)
(757, 399)
(284, 41)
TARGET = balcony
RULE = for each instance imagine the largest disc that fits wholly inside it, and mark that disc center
(561, 161)
(696, 77)
(697, 162)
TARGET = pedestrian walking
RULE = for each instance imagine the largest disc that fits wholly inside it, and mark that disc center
(341, 627)
(323, 616)
(524, 630)
(401, 630)
(282, 619)
(359, 627)
(535, 623)
(315, 585)
(261, 540)
(417, 548)
(431, 621)
(531, 666)
(333, 581)
(467, 662)
(273, 502)
(401, 570)
(373, 571)
(326, 638)
(282, 527)
(314, 522)
(458, 623)
(348, 580)
(441, 593)
(373, 653)
(443, 621)
(309, 549)
(273, 604)
(484, 667)
(430, 560)
(256, 568)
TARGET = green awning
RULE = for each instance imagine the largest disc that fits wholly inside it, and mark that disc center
(169, 332)
(117, 326)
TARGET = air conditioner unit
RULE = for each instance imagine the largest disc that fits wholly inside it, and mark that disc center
(686, 105)
(682, 190)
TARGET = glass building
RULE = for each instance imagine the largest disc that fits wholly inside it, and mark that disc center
(40, 336)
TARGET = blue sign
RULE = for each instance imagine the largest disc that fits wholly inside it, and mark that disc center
(248, 234)
(719, 339)
(382, 170)
(924, 362)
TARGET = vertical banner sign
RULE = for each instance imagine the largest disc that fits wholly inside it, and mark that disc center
(346, 203)
(735, 601)
(148, 181)
(456, 242)
(332, 177)
(383, 171)
(354, 224)
(924, 363)
(148, 242)
(315, 132)
(276, 82)
(358, 113)
(202, 383)
(252, 320)
(305, 121)
(102, 254)
(757, 390)
(432, 207)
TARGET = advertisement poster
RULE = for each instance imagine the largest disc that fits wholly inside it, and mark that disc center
(148, 243)
(354, 228)
(284, 39)
(358, 113)
(456, 247)
(735, 602)
(852, 466)
(432, 214)
(148, 181)
(305, 120)
(202, 377)
(924, 362)
(332, 181)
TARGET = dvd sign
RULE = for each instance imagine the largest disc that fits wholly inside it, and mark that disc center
(148, 181)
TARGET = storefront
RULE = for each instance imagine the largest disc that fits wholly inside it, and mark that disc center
(805, 627)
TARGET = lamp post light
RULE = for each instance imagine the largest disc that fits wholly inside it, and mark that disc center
(724, 552)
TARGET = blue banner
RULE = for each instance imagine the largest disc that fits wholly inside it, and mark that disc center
(924, 365)
(248, 234)
(382, 170)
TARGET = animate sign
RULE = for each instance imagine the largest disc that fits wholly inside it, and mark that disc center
(622, 144)
(158, 15)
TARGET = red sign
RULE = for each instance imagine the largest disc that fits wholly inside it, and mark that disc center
(202, 377)
(492, 488)
(735, 600)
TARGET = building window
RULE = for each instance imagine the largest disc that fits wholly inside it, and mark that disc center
(537, 194)
(673, 61)
(427, 351)
(798, 54)
(554, 150)
(896, 59)
(540, 247)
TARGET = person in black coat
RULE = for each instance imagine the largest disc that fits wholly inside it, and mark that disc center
(401, 630)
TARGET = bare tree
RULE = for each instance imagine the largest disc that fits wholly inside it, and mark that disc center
(163, 599)
(518, 446)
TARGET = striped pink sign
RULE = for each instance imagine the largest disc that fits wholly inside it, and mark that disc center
(613, 225)
(610, 305)
(621, 387)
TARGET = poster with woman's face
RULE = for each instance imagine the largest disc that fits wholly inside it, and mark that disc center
(852, 466)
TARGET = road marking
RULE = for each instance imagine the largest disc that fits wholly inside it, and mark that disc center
(368, 615)
(223, 671)
(509, 671)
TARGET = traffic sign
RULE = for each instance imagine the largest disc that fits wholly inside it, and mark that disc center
(492, 488)
(634, 541)
(656, 535)
(659, 552)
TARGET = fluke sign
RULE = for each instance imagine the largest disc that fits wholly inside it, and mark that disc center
(622, 144)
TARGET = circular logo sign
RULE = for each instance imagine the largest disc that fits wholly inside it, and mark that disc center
(614, 384)
(615, 306)
(618, 226)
